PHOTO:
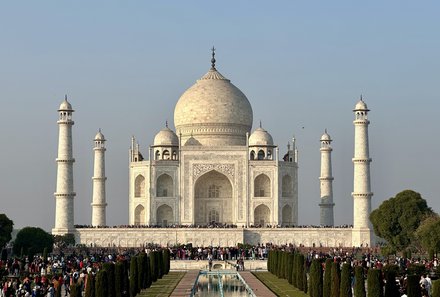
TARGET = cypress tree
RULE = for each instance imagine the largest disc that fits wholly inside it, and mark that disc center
(327, 283)
(435, 288)
(374, 282)
(101, 284)
(315, 283)
(295, 270)
(300, 272)
(336, 280)
(289, 268)
(119, 280)
(359, 282)
(154, 266)
(75, 290)
(125, 279)
(133, 277)
(166, 260)
(413, 287)
(391, 288)
(148, 279)
(304, 280)
(58, 290)
(110, 268)
(141, 271)
(161, 264)
(90, 286)
(45, 255)
(345, 289)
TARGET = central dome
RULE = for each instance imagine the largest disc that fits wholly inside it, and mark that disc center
(214, 112)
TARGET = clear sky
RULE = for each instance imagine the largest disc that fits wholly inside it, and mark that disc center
(302, 65)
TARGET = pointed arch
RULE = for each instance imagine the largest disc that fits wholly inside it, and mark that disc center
(287, 186)
(164, 186)
(157, 155)
(252, 155)
(287, 215)
(166, 155)
(261, 215)
(139, 186)
(164, 215)
(261, 155)
(139, 215)
(262, 186)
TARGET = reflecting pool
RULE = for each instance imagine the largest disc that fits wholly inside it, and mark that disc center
(220, 284)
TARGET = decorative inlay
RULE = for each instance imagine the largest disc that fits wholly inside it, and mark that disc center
(199, 169)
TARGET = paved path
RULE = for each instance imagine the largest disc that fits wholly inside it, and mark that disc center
(259, 289)
(185, 285)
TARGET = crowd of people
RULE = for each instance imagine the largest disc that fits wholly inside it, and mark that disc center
(212, 225)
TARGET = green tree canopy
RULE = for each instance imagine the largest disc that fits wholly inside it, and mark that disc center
(397, 219)
(428, 234)
(33, 240)
(5, 230)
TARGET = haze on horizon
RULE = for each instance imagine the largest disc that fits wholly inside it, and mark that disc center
(302, 65)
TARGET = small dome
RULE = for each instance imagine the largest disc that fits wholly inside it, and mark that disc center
(65, 105)
(361, 105)
(166, 137)
(100, 136)
(260, 137)
(192, 141)
(326, 137)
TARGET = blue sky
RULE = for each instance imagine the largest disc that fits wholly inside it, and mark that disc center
(124, 65)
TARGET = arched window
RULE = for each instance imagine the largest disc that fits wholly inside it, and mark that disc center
(139, 186)
(157, 155)
(164, 186)
(287, 186)
(174, 155)
(261, 155)
(164, 215)
(214, 216)
(213, 191)
(261, 215)
(287, 215)
(252, 155)
(139, 215)
(262, 186)
(269, 154)
(165, 155)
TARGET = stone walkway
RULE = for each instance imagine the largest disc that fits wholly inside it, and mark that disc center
(259, 289)
(185, 285)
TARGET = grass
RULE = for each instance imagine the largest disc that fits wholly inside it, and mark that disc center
(280, 287)
(163, 287)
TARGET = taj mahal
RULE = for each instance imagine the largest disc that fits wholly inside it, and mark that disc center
(213, 180)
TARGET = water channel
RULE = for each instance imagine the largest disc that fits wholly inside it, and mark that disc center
(224, 283)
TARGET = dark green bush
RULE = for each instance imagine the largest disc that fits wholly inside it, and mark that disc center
(336, 280)
(359, 282)
(327, 283)
(374, 283)
(134, 289)
(345, 288)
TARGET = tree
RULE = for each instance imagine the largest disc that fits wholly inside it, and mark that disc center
(33, 240)
(374, 283)
(345, 289)
(65, 240)
(336, 280)
(315, 279)
(413, 287)
(119, 281)
(436, 288)
(397, 219)
(327, 284)
(75, 290)
(110, 268)
(133, 277)
(391, 288)
(90, 286)
(428, 234)
(101, 284)
(359, 282)
(5, 230)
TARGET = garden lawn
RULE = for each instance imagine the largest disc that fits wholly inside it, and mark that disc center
(163, 287)
(279, 286)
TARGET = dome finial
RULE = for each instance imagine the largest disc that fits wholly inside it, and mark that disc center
(361, 98)
(261, 124)
(213, 58)
(65, 97)
(166, 123)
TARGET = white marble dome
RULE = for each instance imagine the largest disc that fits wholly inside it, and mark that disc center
(166, 137)
(260, 137)
(65, 105)
(326, 137)
(214, 112)
(361, 105)
(99, 136)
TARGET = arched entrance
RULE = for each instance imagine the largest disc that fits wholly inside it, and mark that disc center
(213, 199)
(261, 215)
(287, 215)
(164, 216)
(139, 215)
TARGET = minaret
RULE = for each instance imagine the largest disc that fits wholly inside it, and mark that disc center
(98, 200)
(361, 180)
(64, 194)
(326, 180)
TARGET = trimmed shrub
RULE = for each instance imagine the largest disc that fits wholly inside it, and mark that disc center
(90, 286)
(141, 271)
(101, 284)
(305, 284)
(336, 280)
(345, 288)
(119, 280)
(295, 270)
(359, 282)
(289, 267)
(374, 283)
(327, 282)
(391, 288)
(300, 272)
(148, 280)
(435, 288)
(316, 280)
(75, 290)
(161, 264)
(166, 260)
(110, 268)
(134, 289)
(413, 287)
